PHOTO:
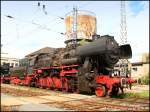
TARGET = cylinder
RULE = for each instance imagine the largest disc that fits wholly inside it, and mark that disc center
(86, 25)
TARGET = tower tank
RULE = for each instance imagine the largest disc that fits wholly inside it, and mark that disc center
(86, 25)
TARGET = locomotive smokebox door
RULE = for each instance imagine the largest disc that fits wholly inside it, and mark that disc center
(125, 51)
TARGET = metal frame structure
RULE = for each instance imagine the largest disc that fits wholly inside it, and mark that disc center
(123, 63)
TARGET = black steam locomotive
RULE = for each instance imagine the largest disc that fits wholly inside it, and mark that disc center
(84, 68)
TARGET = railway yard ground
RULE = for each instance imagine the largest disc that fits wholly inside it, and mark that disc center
(21, 98)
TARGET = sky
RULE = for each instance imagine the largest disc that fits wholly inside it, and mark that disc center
(21, 35)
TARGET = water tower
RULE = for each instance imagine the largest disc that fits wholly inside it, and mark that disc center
(80, 25)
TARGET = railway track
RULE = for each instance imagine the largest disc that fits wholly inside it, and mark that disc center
(93, 104)
(78, 102)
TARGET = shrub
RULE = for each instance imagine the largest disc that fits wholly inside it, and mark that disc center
(145, 80)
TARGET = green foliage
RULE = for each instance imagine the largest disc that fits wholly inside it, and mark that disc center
(144, 94)
(145, 80)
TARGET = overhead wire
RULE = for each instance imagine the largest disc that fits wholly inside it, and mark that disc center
(44, 9)
(39, 25)
(46, 13)
(34, 30)
(17, 29)
(37, 10)
(16, 24)
(33, 23)
(52, 14)
(43, 26)
(60, 17)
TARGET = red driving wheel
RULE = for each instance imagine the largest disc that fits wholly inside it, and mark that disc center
(100, 91)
